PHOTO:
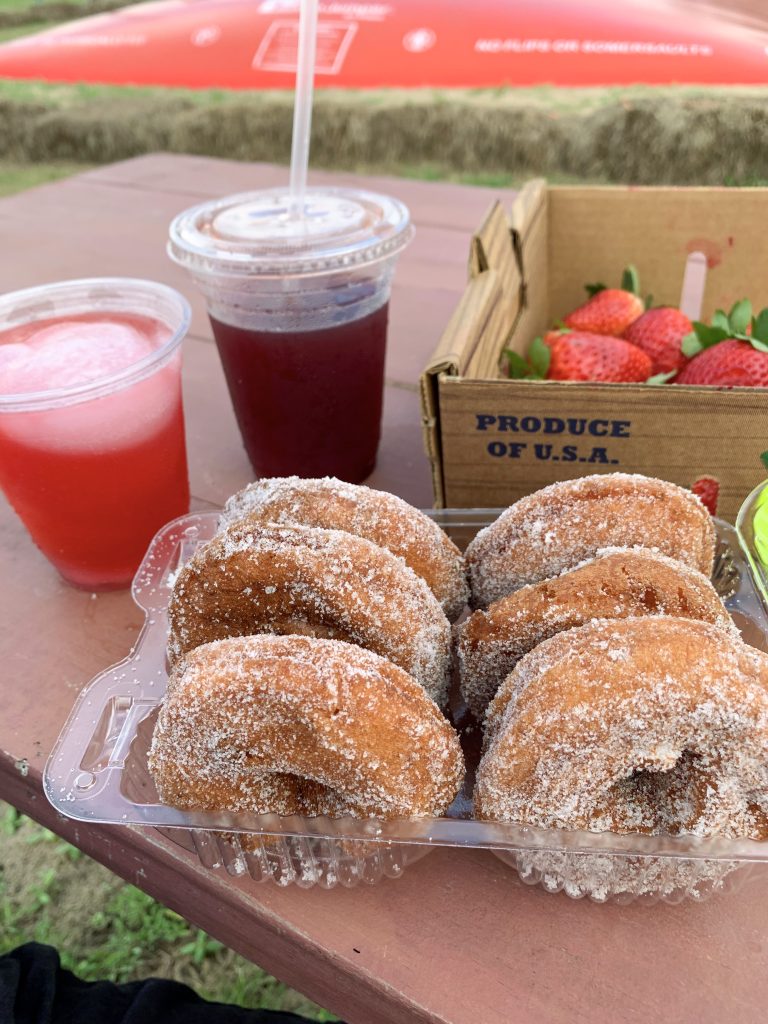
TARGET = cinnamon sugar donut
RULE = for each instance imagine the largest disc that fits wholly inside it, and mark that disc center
(653, 725)
(564, 524)
(298, 725)
(619, 583)
(253, 578)
(377, 516)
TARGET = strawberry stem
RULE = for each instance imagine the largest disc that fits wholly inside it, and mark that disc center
(630, 281)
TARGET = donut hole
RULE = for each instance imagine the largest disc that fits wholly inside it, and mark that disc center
(298, 625)
(646, 595)
(650, 600)
(302, 794)
(661, 796)
(653, 600)
(684, 605)
(757, 812)
(289, 793)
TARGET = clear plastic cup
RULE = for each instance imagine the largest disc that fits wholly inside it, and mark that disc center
(299, 310)
(92, 451)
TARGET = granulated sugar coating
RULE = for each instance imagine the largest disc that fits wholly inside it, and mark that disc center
(297, 725)
(651, 725)
(564, 524)
(620, 583)
(253, 578)
(374, 515)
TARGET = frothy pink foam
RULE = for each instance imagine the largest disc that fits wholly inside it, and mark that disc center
(66, 353)
(60, 353)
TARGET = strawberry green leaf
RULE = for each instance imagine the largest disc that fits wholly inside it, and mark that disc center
(649, 302)
(709, 336)
(661, 378)
(720, 319)
(539, 356)
(757, 344)
(517, 367)
(764, 459)
(594, 289)
(760, 326)
(740, 316)
(630, 282)
(690, 345)
(561, 325)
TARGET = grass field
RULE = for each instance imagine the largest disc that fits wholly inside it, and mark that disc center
(26, 5)
(17, 176)
(638, 135)
(6, 34)
(51, 892)
(23, 17)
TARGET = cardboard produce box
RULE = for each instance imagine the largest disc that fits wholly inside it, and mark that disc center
(492, 440)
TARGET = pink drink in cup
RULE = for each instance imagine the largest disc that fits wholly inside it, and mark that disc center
(92, 452)
(298, 307)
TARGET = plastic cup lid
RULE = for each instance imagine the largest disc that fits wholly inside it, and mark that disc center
(255, 233)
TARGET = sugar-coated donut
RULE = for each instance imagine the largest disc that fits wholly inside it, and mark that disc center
(564, 524)
(619, 583)
(253, 578)
(374, 515)
(298, 725)
(653, 725)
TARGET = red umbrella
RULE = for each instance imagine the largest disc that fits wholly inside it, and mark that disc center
(247, 44)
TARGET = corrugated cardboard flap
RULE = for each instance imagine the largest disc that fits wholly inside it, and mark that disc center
(492, 246)
(487, 312)
(526, 206)
(530, 234)
(464, 334)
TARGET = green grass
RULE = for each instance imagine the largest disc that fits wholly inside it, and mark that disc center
(545, 96)
(23, 17)
(105, 929)
(491, 179)
(6, 34)
(640, 135)
(27, 5)
(14, 177)
(63, 95)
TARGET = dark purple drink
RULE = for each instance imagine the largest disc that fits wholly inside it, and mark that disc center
(308, 402)
(298, 296)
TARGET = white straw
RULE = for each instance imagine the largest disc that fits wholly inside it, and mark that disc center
(302, 110)
(694, 284)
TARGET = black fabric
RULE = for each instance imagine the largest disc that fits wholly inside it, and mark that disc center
(35, 989)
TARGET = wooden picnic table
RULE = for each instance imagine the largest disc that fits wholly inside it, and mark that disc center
(457, 940)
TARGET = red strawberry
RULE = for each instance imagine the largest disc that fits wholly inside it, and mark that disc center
(731, 363)
(731, 352)
(553, 335)
(578, 355)
(708, 489)
(609, 310)
(659, 332)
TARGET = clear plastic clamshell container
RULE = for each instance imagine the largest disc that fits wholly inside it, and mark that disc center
(98, 769)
